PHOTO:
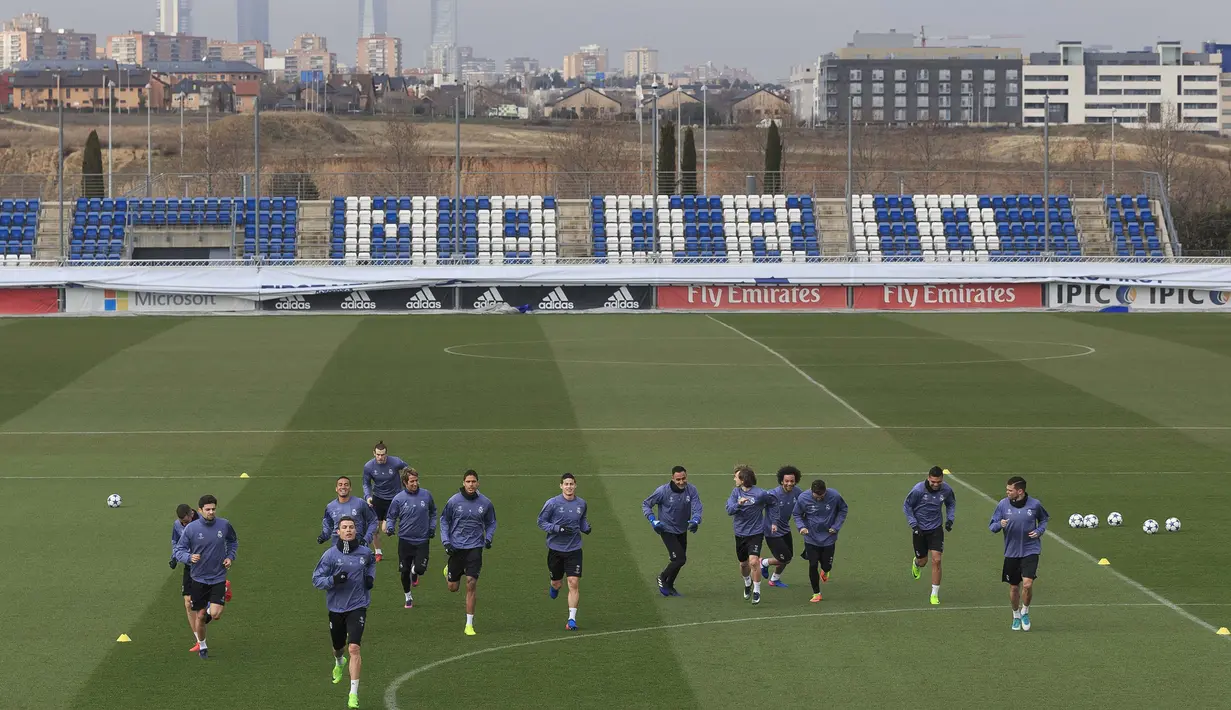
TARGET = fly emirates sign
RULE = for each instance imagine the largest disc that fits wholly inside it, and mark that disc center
(949, 297)
(751, 298)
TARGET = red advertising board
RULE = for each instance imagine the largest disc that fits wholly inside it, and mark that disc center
(948, 297)
(751, 298)
(29, 301)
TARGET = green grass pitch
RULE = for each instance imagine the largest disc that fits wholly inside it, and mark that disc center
(1099, 412)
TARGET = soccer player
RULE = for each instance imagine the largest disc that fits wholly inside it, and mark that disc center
(1023, 520)
(414, 513)
(778, 525)
(346, 504)
(381, 483)
(563, 518)
(467, 526)
(819, 515)
(209, 544)
(679, 509)
(184, 514)
(347, 572)
(922, 508)
(750, 507)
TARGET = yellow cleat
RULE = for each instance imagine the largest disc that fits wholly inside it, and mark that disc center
(338, 673)
(469, 630)
(935, 600)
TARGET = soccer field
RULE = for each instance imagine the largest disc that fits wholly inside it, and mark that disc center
(1099, 412)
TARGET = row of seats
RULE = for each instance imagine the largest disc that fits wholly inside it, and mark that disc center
(868, 201)
(701, 202)
(961, 214)
(18, 230)
(445, 204)
(1134, 229)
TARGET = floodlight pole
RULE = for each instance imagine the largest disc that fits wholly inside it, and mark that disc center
(850, 173)
(457, 170)
(60, 157)
(705, 138)
(1046, 174)
(107, 87)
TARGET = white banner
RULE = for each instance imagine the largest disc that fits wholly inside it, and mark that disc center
(89, 300)
(265, 282)
(1108, 297)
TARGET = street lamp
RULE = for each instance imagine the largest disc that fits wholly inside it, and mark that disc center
(1113, 150)
(705, 138)
(110, 88)
(654, 145)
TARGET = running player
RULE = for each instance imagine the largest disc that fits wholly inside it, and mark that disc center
(1023, 520)
(209, 544)
(778, 527)
(347, 573)
(346, 504)
(922, 508)
(750, 507)
(467, 526)
(679, 509)
(563, 518)
(819, 515)
(381, 483)
(414, 513)
(184, 514)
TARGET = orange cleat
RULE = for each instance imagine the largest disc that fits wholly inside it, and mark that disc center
(379, 557)
(815, 598)
(228, 594)
(824, 576)
(196, 647)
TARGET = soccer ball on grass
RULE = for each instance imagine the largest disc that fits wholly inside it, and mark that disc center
(1091, 521)
(1115, 520)
(1077, 521)
(114, 500)
(1150, 527)
(1173, 524)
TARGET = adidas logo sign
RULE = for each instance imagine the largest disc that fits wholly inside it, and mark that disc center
(556, 301)
(358, 301)
(293, 303)
(622, 300)
(424, 300)
(491, 297)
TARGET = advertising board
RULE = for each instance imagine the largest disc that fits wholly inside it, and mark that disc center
(93, 300)
(948, 297)
(559, 299)
(751, 298)
(29, 301)
(1110, 297)
(426, 299)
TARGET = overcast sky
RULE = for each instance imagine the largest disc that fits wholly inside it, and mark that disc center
(740, 34)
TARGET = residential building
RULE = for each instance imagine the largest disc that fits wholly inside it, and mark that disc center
(1159, 85)
(802, 85)
(379, 54)
(310, 43)
(373, 17)
(144, 48)
(173, 17)
(43, 90)
(585, 64)
(1223, 50)
(253, 52)
(904, 85)
(294, 62)
(21, 45)
(758, 105)
(586, 102)
(521, 65)
(207, 71)
(640, 62)
(26, 22)
(252, 20)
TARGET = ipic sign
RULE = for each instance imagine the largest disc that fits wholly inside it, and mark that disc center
(1137, 298)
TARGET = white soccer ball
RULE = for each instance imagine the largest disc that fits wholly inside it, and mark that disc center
(1077, 521)
(1150, 527)
(1115, 520)
(114, 500)
(1173, 524)
(1091, 521)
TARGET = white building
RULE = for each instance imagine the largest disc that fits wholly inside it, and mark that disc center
(802, 86)
(1157, 85)
(173, 17)
(640, 61)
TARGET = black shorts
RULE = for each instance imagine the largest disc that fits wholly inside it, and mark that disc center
(748, 546)
(381, 506)
(563, 564)
(822, 555)
(926, 540)
(1018, 568)
(465, 562)
(412, 556)
(186, 585)
(347, 626)
(781, 547)
(204, 594)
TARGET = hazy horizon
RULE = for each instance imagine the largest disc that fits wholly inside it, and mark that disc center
(741, 35)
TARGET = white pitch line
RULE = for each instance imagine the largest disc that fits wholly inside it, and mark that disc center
(605, 430)
(392, 691)
(801, 373)
(623, 474)
(1087, 556)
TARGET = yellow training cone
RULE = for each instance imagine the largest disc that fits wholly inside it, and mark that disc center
(243, 475)
(945, 472)
(123, 638)
(1223, 632)
(1104, 562)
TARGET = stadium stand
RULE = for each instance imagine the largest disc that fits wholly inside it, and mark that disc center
(18, 228)
(688, 228)
(961, 227)
(510, 229)
(1134, 226)
(269, 225)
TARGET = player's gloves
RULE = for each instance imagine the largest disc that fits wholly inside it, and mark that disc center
(320, 540)
(587, 531)
(948, 526)
(656, 524)
(339, 578)
(173, 563)
(431, 533)
(915, 529)
(449, 550)
(368, 582)
(693, 525)
(487, 545)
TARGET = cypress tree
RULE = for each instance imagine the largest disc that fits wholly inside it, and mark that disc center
(688, 165)
(773, 160)
(92, 168)
(666, 159)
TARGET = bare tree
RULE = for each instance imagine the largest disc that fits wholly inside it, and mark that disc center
(404, 153)
(1164, 143)
(600, 153)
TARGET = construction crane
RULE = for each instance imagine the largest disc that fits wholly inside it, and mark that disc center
(923, 37)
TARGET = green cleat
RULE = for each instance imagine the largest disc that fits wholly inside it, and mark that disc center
(354, 701)
(339, 672)
(469, 630)
(914, 569)
(446, 572)
(935, 600)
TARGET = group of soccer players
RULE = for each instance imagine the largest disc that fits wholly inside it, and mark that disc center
(394, 503)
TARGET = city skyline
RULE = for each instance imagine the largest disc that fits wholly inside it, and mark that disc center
(252, 20)
(373, 17)
(767, 47)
